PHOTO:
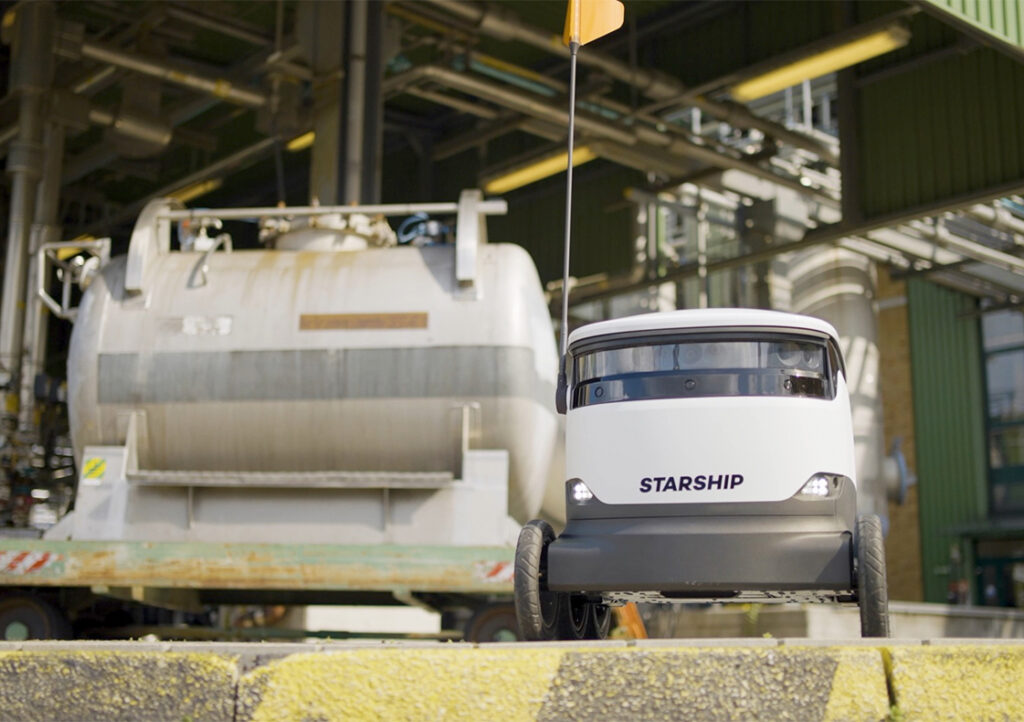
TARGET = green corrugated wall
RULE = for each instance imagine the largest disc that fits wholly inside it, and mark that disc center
(948, 126)
(949, 423)
(1004, 19)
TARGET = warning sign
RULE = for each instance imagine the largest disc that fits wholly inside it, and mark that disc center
(94, 468)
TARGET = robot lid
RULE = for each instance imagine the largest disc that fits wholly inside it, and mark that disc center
(707, 319)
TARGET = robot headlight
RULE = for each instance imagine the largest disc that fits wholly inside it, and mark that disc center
(580, 493)
(819, 486)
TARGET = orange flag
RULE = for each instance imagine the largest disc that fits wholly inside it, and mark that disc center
(587, 20)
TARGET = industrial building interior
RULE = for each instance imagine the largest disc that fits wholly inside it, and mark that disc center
(858, 161)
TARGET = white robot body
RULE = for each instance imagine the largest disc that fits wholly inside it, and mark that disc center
(693, 407)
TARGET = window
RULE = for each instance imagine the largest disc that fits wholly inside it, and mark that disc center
(1003, 339)
(703, 365)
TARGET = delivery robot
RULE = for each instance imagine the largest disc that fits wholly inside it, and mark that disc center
(710, 458)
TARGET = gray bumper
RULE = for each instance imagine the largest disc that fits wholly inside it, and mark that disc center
(707, 550)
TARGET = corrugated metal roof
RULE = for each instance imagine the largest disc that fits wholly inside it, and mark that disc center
(1000, 19)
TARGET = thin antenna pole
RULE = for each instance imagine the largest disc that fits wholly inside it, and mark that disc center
(573, 48)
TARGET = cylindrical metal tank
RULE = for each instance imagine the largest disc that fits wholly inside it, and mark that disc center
(370, 360)
(837, 286)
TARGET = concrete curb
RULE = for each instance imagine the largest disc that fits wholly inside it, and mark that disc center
(110, 685)
(957, 682)
(651, 680)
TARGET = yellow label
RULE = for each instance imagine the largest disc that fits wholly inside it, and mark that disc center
(94, 468)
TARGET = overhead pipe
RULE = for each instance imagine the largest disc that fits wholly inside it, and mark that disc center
(587, 122)
(241, 158)
(464, 106)
(997, 217)
(356, 90)
(218, 25)
(157, 135)
(73, 47)
(510, 98)
(504, 25)
(45, 229)
(30, 77)
(940, 233)
(102, 154)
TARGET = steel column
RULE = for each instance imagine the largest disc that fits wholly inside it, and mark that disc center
(30, 78)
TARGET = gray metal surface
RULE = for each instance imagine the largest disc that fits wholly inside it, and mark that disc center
(703, 550)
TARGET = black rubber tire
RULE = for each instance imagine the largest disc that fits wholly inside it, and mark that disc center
(577, 618)
(493, 623)
(582, 619)
(538, 611)
(872, 589)
(602, 621)
(26, 616)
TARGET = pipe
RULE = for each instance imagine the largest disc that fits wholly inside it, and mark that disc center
(502, 24)
(463, 106)
(655, 141)
(153, 67)
(243, 157)
(514, 99)
(997, 217)
(31, 76)
(489, 207)
(131, 126)
(356, 77)
(219, 25)
(45, 229)
(102, 154)
(942, 236)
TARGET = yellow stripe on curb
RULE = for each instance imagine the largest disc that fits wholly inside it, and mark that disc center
(958, 682)
(649, 680)
(401, 684)
(859, 689)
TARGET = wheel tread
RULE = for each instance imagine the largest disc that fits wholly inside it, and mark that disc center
(873, 596)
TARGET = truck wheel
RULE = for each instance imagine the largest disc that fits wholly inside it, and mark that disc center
(872, 590)
(537, 609)
(25, 616)
(493, 623)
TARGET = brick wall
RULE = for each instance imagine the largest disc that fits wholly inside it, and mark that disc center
(903, 545)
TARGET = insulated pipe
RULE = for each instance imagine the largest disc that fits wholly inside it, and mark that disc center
(156, 134)
(997, 217)
(220, 87)
(501, 24)
(356, 81)
(45, 229)
(976, 251)
(30, 78)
